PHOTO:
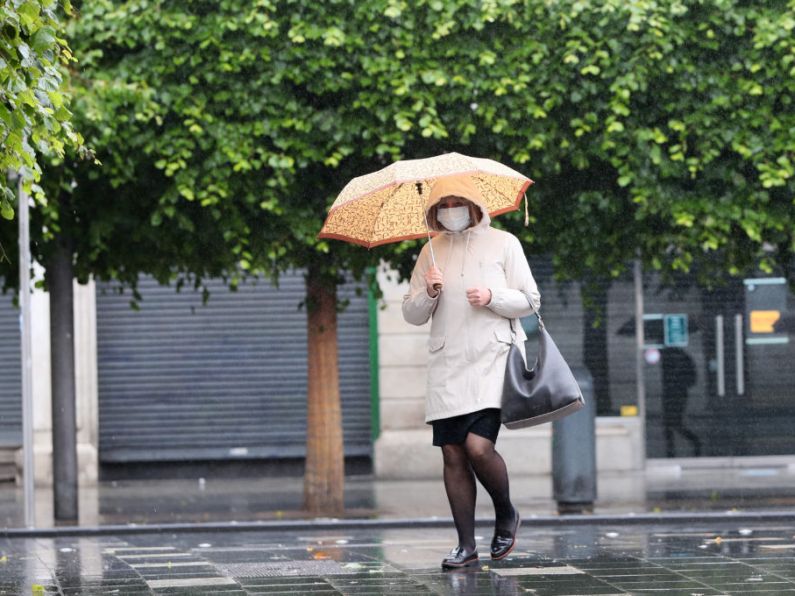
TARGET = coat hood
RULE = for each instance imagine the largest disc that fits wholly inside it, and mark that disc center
(459, 186)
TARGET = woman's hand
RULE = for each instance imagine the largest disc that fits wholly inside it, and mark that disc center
(479, 296)
(433, 281)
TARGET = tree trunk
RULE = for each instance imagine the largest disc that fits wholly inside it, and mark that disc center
(62, 349)
(324, 477)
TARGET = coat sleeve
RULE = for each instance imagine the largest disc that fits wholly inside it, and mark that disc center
(521, 297)
(417, 305)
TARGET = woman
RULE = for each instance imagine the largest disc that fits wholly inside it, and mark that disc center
(474, 296)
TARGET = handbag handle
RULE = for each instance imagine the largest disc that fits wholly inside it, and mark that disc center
(513, 331)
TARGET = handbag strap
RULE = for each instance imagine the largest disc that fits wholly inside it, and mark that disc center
(513, 331)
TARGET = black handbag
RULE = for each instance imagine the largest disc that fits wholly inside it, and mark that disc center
(545, 393)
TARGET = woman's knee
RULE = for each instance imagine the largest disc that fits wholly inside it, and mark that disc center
(478, 448)
(454, 455)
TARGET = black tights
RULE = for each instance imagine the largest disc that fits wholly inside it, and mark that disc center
(475, 457)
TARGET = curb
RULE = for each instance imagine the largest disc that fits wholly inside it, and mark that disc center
(670, 518)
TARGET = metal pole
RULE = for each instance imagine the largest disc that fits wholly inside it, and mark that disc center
(720, 356)
(27, 356)
(739, 359)
(639, 360)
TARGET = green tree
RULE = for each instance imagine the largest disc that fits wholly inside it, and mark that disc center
(199, 151)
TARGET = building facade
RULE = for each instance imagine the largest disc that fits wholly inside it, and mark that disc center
(178, 381)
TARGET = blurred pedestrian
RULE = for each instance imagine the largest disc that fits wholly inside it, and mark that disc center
(678, 376)
(474, 297)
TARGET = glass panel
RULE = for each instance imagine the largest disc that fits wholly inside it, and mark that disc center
(676, 373)
(720, 368)
(768, 412)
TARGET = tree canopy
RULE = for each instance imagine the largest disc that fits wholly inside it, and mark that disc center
(671, 133)
(226, 128)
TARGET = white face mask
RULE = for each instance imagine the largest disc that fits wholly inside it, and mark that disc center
(455, 219)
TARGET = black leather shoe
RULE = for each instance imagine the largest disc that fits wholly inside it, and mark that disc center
(503, 542)
(460, 557)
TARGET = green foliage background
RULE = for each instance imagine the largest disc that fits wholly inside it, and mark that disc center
(225, 128)
(34, 111)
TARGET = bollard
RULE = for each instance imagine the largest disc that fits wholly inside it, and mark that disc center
(574, 453)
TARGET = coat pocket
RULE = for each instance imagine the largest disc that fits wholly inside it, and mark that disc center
(435, 344)
(503, 336)
(437, 365)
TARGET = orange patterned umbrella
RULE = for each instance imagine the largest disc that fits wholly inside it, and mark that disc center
(389, 205)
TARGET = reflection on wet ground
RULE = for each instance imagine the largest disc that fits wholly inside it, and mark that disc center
(274, 498)
(722, 558)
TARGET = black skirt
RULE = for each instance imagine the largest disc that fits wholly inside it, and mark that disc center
(484, 423)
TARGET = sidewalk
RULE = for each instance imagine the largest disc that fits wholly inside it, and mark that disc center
(662, 488)
(703, 531)
(708, 558)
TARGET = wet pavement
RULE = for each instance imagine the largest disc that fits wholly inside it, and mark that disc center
(663, 531)
(718, 557)
(265, 498)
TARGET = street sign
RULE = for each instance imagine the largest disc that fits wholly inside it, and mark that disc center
(653, 331)
(766, 311)
(675, 331)
(665, 331)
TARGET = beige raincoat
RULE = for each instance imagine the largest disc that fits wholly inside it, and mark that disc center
(468, 345)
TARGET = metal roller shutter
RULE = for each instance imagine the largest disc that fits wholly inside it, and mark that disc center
(10, 375)
(183, 381)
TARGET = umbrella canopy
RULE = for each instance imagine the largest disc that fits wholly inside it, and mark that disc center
(389, 205)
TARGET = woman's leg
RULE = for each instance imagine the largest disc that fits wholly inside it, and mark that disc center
(490, 470)
(459, 483)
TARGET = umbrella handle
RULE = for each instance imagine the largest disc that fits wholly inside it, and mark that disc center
(436, 287)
